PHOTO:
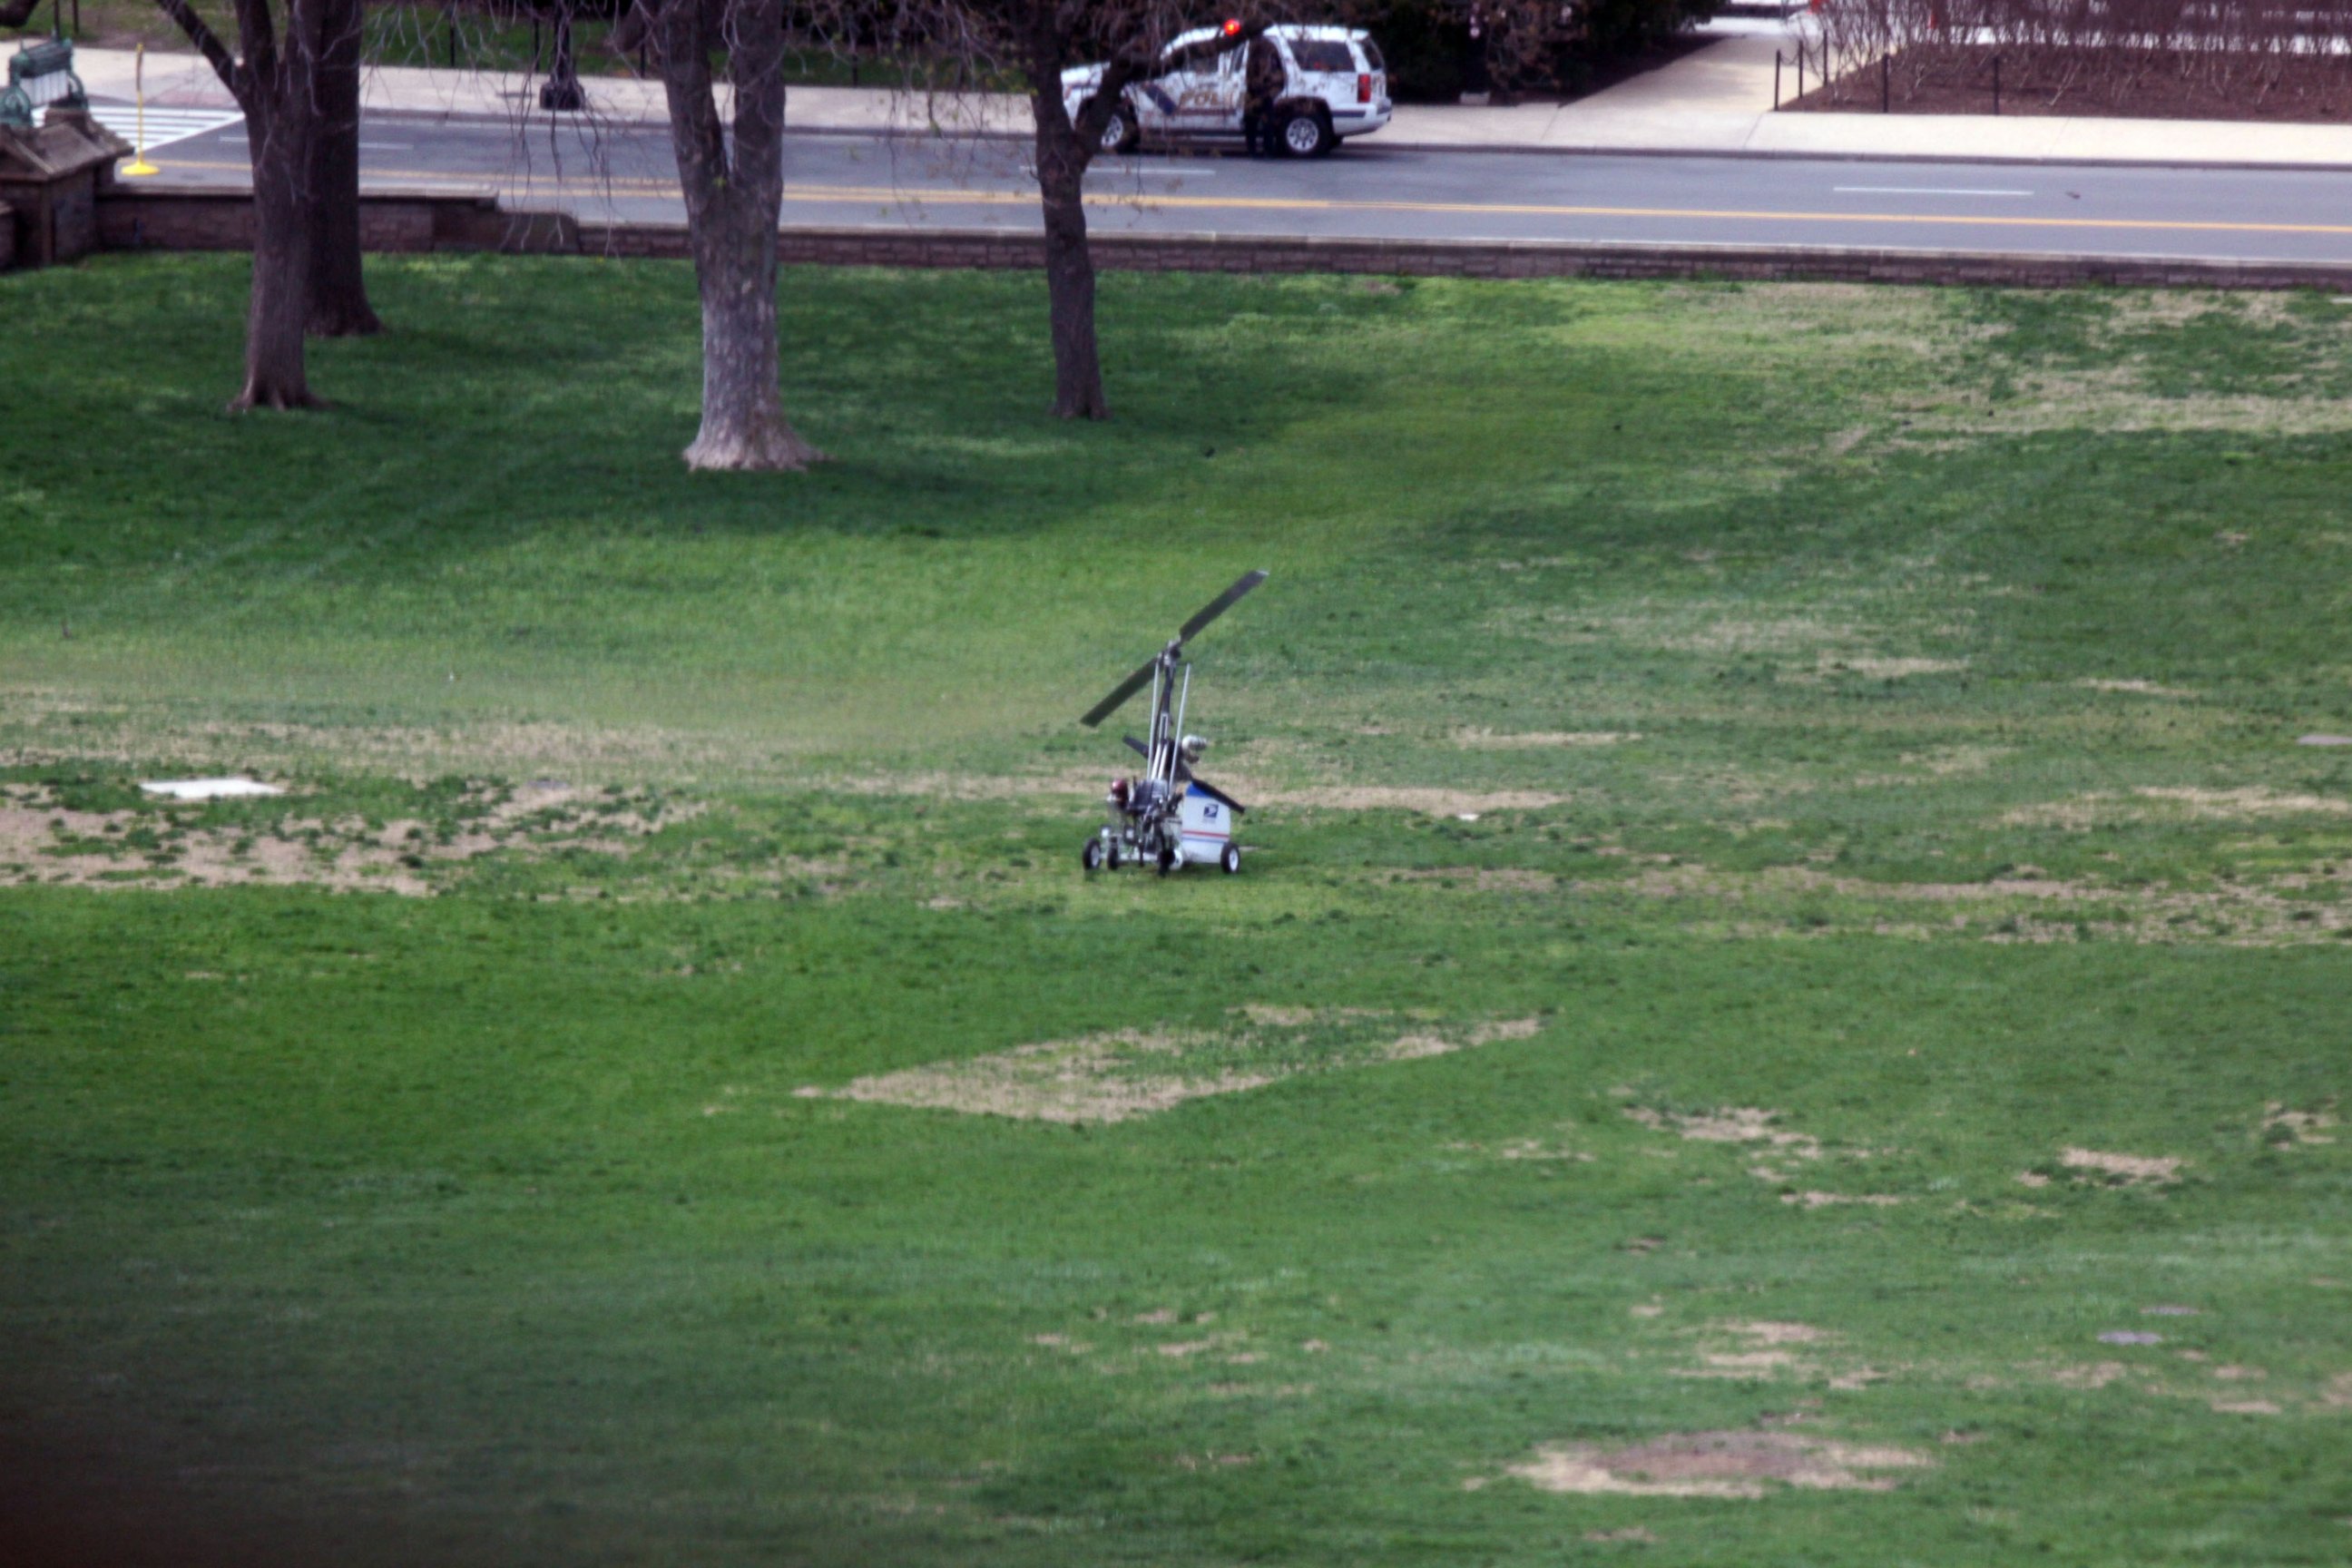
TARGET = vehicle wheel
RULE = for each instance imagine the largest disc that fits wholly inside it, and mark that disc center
(1111, 857)
(1091, 856)
(1119, 132)
(1304, 134)
(1168, 858)
(1230, 861)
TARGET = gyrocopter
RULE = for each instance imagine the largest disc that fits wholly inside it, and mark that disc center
(1168, 818)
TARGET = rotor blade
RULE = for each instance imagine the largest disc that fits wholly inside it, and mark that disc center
(1220, 796)
(1120, 694)
(1138, 745)
(1220, 604)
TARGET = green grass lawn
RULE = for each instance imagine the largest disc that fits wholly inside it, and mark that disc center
(1788, 916)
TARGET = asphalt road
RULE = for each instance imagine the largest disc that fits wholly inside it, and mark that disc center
(1369, 191)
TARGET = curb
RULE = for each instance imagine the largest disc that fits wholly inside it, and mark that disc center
(425, 221)
(2006, 160)
(537, 120)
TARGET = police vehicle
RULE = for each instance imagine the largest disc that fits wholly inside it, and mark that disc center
(1300, 89)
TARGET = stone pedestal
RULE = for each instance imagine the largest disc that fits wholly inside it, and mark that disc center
(49, 181)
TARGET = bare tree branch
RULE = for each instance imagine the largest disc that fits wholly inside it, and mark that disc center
(208, 44)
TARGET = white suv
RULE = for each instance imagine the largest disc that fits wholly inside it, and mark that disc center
(1334, 85)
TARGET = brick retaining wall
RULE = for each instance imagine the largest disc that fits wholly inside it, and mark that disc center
(151, 217)
(164, 218)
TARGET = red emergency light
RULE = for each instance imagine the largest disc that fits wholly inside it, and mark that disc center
(1233, 25)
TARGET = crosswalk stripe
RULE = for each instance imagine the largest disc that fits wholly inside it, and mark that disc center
(164, 126)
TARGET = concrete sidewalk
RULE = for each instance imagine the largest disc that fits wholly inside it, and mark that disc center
(1717, 100)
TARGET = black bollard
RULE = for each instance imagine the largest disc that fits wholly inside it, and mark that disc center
(562, 94)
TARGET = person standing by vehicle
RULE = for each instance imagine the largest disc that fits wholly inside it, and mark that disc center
(1262, 82)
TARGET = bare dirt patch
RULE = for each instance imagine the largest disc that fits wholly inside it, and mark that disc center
(129, 734)
(42, 841)
(2096, 1376)
(1716, 1465)
(2288, 908)
(1869, 631)
(974, 786)
(2128, 1169)
(2281, 1125)
(1932, 766)
(1829, 1200)
(1878, 667)
(1739, 1124)
(1119, 1077)
(2123, 394)
(2158, 804)
(1741, 1364)
(1778, 1333)
(1213, 1461)
(2138, 688)
(1539, 740)
(1536, 1149)
(1403, 797)
(1482, 878)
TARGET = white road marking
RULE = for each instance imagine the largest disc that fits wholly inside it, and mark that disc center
(1918, 191)
(387, 147)
(1124, 172)
(164, 126)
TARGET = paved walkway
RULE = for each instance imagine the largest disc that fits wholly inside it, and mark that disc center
(1717, 99)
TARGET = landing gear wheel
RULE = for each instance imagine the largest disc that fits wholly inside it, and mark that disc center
(1229, 860)
(1304, 134)
(1091, 856)
(1119, 133)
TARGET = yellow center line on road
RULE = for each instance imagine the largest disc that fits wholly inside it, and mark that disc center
(890, 196)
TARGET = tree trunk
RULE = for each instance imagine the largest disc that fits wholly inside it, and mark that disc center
(743, 424)
(734, 205)
(273, 74)
(339, 301)
(1061, 159)
(275, 373)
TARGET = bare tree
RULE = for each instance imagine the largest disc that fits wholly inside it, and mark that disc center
(273, 75)
(1040, 40)
(732, 174)
(339, 301)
